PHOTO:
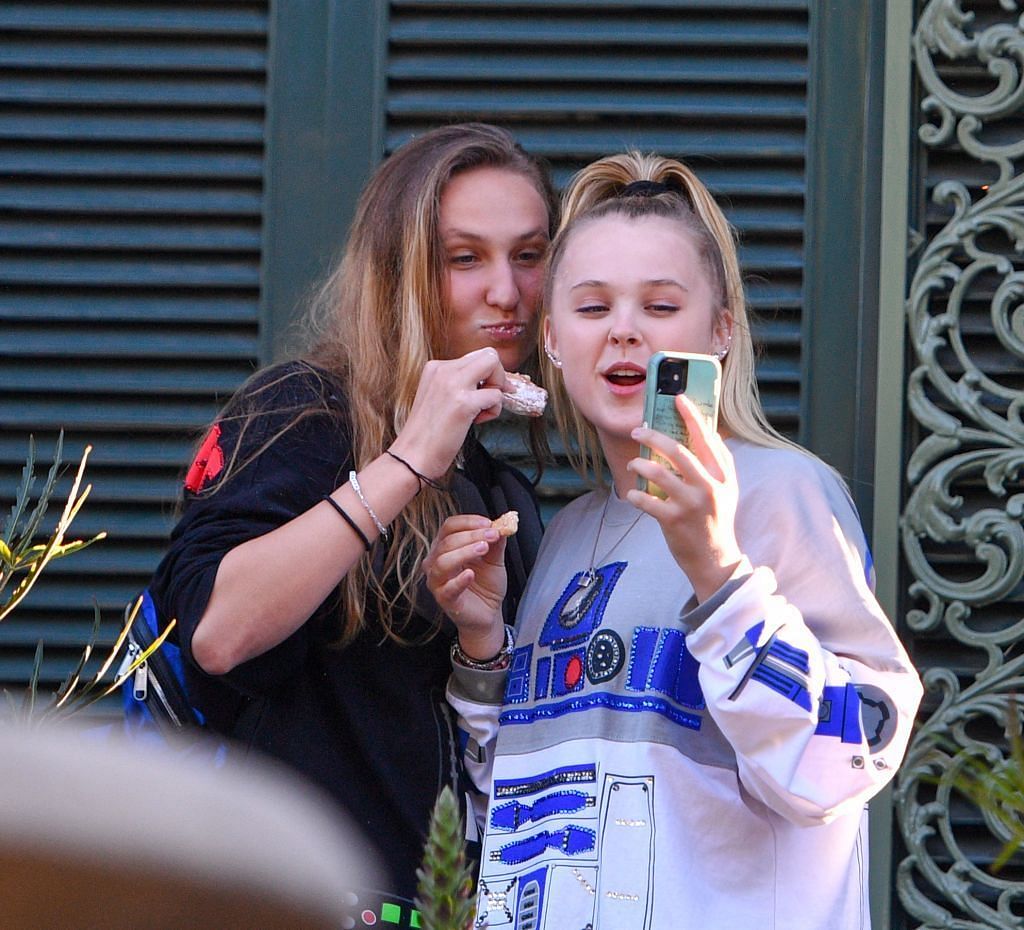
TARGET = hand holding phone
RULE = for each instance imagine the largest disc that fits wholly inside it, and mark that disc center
(699, 377)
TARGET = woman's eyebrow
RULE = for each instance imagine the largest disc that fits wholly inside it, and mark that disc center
(453, 233)
(655, 282)
(671, 282)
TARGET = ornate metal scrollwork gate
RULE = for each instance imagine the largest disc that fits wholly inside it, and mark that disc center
(962, 529)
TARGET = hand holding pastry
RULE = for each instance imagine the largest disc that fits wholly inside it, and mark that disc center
(526, 398)
(465, 571)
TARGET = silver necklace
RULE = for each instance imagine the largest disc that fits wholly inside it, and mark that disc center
(586, 591)
(591, 573)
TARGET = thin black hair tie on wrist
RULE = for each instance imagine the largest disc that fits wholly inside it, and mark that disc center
(422, 479)
(644, 189)
(344, 515)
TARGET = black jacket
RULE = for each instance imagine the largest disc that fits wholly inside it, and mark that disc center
(367, 722)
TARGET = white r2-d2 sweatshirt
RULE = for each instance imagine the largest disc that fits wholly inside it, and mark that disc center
(652, 764)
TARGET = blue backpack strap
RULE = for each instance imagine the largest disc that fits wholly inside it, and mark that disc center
(155, 697)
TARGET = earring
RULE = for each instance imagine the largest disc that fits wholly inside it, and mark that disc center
(724, 351)
(554, 359)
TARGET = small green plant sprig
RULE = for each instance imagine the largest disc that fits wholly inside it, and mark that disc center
(997, 790)
(22, 560)
(445, 889)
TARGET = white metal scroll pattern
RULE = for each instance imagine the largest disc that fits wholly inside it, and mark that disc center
(962, 530)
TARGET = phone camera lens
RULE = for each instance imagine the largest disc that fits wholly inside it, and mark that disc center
(672, 374)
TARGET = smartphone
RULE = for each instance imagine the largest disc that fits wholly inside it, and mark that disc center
(699, 377)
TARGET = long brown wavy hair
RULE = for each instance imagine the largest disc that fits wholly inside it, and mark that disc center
(380, 316)
(596, 191)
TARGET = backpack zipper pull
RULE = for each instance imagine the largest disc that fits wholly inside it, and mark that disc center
(140, 686)
(126, 663)
(140, 680)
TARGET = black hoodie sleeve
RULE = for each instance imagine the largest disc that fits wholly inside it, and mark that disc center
(309, 458)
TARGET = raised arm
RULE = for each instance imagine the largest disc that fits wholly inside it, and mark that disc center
(266, 586)
(799, 666)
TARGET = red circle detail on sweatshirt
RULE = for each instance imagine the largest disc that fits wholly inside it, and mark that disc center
(573, 672)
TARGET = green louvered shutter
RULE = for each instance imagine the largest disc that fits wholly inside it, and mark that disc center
(721, 84)
(131, 158)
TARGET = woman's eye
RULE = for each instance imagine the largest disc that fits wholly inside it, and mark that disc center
(530, 256)
(463, 259)
(663, 308)
(592, 308)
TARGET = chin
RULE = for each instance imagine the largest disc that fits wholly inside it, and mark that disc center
(511, 359)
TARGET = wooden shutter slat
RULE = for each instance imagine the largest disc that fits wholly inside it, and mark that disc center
(101, 20)
(132, 147)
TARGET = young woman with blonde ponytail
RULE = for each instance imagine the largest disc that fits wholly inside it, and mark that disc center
(294, 571)
(703, 692)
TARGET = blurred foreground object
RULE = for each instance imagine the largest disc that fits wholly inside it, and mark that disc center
(101, 834)
(445, 892)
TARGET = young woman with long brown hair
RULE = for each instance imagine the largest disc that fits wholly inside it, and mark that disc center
(293, 572)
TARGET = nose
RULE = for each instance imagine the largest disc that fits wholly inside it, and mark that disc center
(623, 330)
(502, 287)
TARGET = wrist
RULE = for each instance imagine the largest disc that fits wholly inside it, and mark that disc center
(421, 479)
(418, 461)
(467, 655)
(707, 583)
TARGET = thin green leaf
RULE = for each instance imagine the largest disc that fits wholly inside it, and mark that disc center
(29, 701)
(56, 552)
(123, 635)
(1007, 852)
(24, 586)
(34, 570)
(24, 490)
(79, 544)
(75, 500)
(43, 500)
(30, 555)
(71, 682)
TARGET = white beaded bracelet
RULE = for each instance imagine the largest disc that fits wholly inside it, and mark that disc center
(381, 528)
(496, 663)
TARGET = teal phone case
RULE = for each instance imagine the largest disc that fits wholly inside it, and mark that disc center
(703, 385)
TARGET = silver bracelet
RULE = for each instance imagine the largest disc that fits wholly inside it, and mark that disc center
(381, 528)
(493, 664)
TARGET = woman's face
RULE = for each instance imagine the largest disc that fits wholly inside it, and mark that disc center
(494, 226)
(623, 290)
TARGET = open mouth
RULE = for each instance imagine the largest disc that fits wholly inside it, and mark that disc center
(625, 376)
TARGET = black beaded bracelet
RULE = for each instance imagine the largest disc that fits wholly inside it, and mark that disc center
(495, 663)
(344, 515)
(422, 479)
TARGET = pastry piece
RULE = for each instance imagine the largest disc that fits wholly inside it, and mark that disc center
(507, 524)
(527, 399)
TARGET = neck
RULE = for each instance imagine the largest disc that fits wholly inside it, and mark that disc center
(618, 456)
